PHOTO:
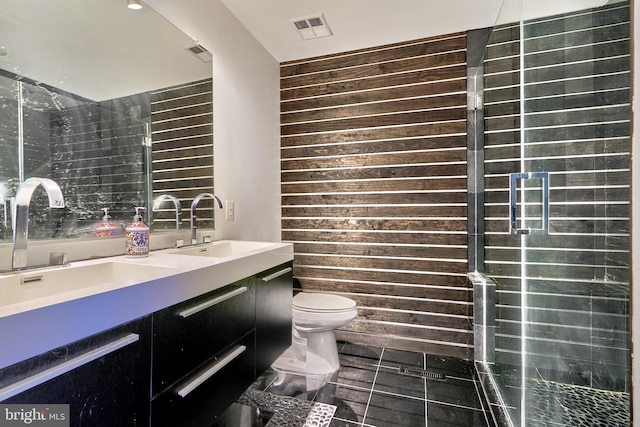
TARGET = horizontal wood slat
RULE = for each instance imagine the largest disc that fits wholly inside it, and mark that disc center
(440, 211)
(434, 291)
(369, 109)
(373, 199)
(373, 224)
(395, 171)
(392, 52)
(417, 184)
(452, 128)
(372, 275)
(376, 147)
(431, 90)
(396, 119)
(463, 351)
(373, 236)
(350, 262)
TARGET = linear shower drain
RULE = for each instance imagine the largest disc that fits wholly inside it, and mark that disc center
(422, 373)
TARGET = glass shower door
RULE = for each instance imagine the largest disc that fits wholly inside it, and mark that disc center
(557, 212)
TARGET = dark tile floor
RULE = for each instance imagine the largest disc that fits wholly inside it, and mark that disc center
(374, 387)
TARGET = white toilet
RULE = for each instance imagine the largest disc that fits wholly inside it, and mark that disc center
(315, 317)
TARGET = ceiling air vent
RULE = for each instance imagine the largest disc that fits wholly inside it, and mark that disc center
(312, 27)
(201, 53)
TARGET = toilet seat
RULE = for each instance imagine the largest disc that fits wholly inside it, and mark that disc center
(322, 303)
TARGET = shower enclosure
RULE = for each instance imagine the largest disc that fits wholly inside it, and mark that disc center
(552, 270)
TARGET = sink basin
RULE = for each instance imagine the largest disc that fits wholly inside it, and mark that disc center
(33, 285)
(224, 248)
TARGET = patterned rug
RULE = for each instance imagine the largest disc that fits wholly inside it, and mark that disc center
(289, 411)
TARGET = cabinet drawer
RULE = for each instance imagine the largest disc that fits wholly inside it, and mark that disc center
(104, 378)
(274, 296)
(199, 398)
(188, 334)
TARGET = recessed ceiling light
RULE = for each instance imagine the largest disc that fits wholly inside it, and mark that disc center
(134, 4)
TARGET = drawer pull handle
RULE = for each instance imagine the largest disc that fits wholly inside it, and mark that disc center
(277, 274)
(26, 280)
(217, 300)
(211, 371)
(63, 368)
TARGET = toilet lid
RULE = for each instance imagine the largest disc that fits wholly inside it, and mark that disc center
(322, 302)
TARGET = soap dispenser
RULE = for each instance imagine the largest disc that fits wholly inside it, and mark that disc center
(137, 236)
(107, 228)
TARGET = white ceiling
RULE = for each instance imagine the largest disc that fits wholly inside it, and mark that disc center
(357, 24)
(74, 44)
(97, 49)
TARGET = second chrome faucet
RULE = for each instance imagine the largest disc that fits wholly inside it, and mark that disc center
(176, 203)
(194, 205)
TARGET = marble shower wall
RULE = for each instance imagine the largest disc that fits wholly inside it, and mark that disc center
(576, 127)
(99, 153)
(94, 151)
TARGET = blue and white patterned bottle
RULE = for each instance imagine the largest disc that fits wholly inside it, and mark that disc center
(137, 236)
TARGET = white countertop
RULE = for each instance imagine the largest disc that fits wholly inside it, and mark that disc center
(32, 325)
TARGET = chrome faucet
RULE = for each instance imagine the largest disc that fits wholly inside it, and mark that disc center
(21, 220)
(158, 201)
(194, 204)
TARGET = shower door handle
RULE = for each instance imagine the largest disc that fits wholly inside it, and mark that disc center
(513, 202)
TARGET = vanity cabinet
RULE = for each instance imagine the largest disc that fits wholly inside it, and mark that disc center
(202, 395)
(208, 350)
(187, 335)
(274, 293)
(183, 365)
(104, 378)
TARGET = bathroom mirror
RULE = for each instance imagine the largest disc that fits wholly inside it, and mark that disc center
(78, 83)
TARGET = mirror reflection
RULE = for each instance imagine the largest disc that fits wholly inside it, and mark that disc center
(113, 104)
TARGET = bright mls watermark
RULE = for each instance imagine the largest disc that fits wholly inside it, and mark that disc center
(34, 415)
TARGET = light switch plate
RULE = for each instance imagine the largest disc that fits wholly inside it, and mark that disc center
(230, 210)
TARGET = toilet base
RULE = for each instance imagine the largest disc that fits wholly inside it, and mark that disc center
(319, 358)
(314, 365)
(298, 385)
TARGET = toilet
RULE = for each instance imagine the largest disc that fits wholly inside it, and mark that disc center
(315, 317)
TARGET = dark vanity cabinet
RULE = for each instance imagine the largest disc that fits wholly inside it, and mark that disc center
(208, 350)
(207, 391)
(274, 293)
(181, 366)
(104, 378)
(203, 355)
(187, 335)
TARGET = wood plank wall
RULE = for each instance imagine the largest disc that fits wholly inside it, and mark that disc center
(182, 149)
(373, 146)
(577, 127)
